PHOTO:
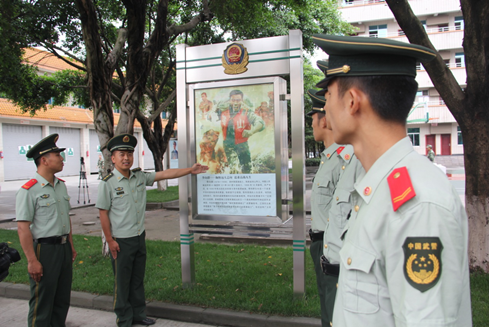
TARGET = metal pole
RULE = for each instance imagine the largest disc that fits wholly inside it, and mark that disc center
(186, 238)
(298, 164)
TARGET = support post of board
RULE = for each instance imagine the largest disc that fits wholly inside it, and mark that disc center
(298, 165)
(186, 238)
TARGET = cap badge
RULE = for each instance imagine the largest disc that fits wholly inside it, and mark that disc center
(125, 139)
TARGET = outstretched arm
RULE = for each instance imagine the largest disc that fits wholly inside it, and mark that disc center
(175, 173)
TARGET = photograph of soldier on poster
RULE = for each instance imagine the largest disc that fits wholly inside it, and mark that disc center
(234, 129)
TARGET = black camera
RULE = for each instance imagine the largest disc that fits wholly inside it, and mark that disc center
(7, 256)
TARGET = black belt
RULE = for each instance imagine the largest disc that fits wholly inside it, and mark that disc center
(329, 268)
(53, 240)
(315, 236)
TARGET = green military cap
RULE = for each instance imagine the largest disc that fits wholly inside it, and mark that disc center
(122, 142)
(46, 145)
(317, 102)
(323, 65)
(360, 56)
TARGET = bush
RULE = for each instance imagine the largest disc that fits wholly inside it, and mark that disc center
(313, 162)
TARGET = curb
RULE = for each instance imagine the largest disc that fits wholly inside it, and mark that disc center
(177, 312)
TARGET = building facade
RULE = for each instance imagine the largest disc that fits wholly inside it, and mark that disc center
(430, 121)
(19, 131)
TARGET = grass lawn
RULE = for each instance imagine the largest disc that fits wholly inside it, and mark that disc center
(170, 194)
(243, 277)
(251, 278)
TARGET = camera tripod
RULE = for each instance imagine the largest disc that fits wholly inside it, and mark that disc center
(82, 183)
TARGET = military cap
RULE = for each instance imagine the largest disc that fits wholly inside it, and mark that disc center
(361, 56)
(317, 102)
(323, 65)
(46, 145)
(122, 142)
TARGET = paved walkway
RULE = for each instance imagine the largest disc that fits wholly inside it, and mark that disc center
(15, 312)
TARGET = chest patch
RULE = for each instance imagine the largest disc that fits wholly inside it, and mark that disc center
(44, 196)
(119, 189)
(422, 262)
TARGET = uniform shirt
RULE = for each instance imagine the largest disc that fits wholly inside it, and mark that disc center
(380, 283)
(125, 199)
(323, 186)
(45, 206)
(341, 204)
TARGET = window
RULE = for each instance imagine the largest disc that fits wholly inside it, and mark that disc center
(441, 101)
(443, 27)
(400, 33)
(348, 2)
(460, 59)
(421, 93)
(377, 31)
(163, 114)
(413, 134)
(51, 101)
(459, 136)
(459, 23)
(419, 66)
(447, 62)
(116, 110)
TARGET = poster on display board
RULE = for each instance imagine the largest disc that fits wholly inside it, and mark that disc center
(235, 135)
(173, 148)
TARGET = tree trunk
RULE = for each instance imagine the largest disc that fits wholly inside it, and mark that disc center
(470, 109)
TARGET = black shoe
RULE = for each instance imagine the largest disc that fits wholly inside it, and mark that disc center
(145, 322)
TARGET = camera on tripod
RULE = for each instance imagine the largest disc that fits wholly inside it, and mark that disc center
(7, 256)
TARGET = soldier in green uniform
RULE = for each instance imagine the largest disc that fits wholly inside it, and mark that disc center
(406, 240)
(431, 153)
(122, 202)
(323, 187)
(42, 208)
(338, 215)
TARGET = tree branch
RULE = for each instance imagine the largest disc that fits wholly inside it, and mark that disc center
(440, 74)
(163, 106)
(52, 49)
(204, 15)
(114, 55)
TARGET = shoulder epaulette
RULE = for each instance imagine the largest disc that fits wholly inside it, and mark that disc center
(401, 187)
(61, 179)
(29, 184)
(106, 178)
(136, 169)
(340, 149)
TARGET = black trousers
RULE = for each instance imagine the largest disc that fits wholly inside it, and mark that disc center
(50, 297)
(326, 285)
(129, 269)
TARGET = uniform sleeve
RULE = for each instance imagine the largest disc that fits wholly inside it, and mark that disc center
(427, 266)
(67, 197)
(24, 206)
(149, 178)
(104, 196)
